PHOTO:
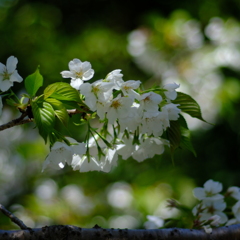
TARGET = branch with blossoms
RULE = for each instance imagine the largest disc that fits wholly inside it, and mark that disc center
(133, 122)
(213, 210)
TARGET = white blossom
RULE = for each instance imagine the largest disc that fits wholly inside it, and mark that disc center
(9, 74)
(215, 220)
(98, 96)
(128, 86)
(132, 120)
(119, 108)
(79, 72)
(154, 123)
(126, 148)
(234, 192)
(150, 101)
(210, 190)
(153, 222)
(115, 77)
(172, 111)
(59, 155)
(213, 207)
(148, 148)
(207, 229)
(236, 210)
(83, 164)
(232, 221)
(95, 161)
(1, 105)
(171, 93)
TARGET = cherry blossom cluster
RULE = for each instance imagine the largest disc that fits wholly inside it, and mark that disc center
(133, 121)
(8, 75)
(213, 208)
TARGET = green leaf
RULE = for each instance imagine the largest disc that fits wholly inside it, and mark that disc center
(44, 117)
(174, 135)
(188, 105)
(59, 110)
(62, 91)
(33, 82)
(185, 136)
(179, 135)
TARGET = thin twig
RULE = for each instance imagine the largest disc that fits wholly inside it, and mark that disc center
(15, 122)
(13, 218)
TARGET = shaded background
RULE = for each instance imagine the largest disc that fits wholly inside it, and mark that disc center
(158, 42)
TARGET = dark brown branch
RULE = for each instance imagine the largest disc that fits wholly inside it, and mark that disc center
(76, 233)
(13, 218)
(17, 121)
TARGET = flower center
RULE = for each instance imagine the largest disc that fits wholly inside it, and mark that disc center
(95, 89)
(79, 74)
(116, 104)
(6, 75)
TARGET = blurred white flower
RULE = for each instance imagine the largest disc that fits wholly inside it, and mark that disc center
(148, 148)
(127, 88)
(1, 105)
(214, 220)
(207, 228)
(210, 190)
(9, 74)
(234, 192)
(236, 210)
(153, 222)
(154, 123)
(149, 101)
(115, 77)
(119, 108)
(171, 93)
(60, 154)
(172, 111)
(132, 121)
(213, 207)
(79, 72)
(98, 96)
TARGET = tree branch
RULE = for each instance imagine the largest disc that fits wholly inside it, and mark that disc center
(15, 122)
(76, 233)
(13, 218)
(21, 120)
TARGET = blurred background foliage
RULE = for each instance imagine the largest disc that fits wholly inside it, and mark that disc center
(158, 42)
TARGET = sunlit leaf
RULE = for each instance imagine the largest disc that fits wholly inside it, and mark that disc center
(44, 117)
(59, 110)
(61, 91)
(188, 105)
(33, 82)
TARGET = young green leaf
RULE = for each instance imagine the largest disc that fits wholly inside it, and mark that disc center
(174, 135)
(61, 91)
(33, 82)
(188, 105)
(179, 135)
(44, 117)
(60, 110)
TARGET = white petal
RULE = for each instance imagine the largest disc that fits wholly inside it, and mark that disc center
(67, 74)
(88, 74)
(5, 85)
(11, 64)
(15, 77)
(76, 83)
